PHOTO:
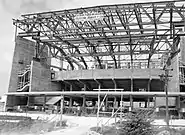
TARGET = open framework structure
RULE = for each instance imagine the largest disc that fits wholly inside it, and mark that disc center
(115, 51)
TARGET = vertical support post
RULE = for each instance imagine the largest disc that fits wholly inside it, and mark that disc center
(85, 87)
(61, 61)
(131, 86)
(44, 103)
(178, 106)
(148, 102)
(119, 62)
(121, 105)
(114, 102)
(131, 102)
(155, 101)
(131, 98)
(71, 87)
(70, 102)
(61, 108)
(84, 100)
(28, 102)
(106, 102)
(166, 94)
(98, 110)
(148, 89)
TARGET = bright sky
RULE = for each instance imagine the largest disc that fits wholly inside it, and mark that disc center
(14, 8)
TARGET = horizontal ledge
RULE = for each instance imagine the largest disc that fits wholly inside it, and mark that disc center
(54, 93)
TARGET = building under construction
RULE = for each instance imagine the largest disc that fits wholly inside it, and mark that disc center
(128, 55)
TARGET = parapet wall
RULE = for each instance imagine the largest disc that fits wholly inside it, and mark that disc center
(108, 74)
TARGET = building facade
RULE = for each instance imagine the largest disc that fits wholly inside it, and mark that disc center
(112, 54)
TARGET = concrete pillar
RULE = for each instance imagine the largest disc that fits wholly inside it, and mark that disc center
(70, 102)
(61, 108)
(131, 85)
(155, 101)
(119, 60)
(71, 87)
(114, 105)
(148, 102)
(44, 105)
(148, 89)
(28, 100)
(132, 89)
(84, 100)
(61, 61)
(85, 87)
(178, 106)
(131, 101)
(106, 102)
(99, 87)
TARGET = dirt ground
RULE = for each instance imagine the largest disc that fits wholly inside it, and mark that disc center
(77, 125)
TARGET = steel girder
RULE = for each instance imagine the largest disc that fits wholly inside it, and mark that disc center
(144, 28)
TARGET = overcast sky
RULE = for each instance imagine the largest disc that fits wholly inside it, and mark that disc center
(14, 8)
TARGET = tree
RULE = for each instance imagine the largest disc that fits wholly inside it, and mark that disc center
(138, 123)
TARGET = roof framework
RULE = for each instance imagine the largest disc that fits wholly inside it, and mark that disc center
(113, 33)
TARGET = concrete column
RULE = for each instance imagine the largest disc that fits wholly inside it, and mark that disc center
(61, 61)
(148, 102)
(106, 102)
(84, 100)
(119, 62)
(99, 87)
(132, 89)
(85, 87)
(178, 106)
(131, 101)
(28, 100)
(71, 87)
(70, 102)
(44, 105)
(155, 101)
(148, 89)
(114, 105)
(61, 108)
(131, 85)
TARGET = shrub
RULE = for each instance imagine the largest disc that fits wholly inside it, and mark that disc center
(137, 123)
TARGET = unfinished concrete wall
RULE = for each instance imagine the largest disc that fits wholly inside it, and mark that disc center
(23, 54)
(41, 81)
(41, 78)
(173, 84)
(182, 48)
